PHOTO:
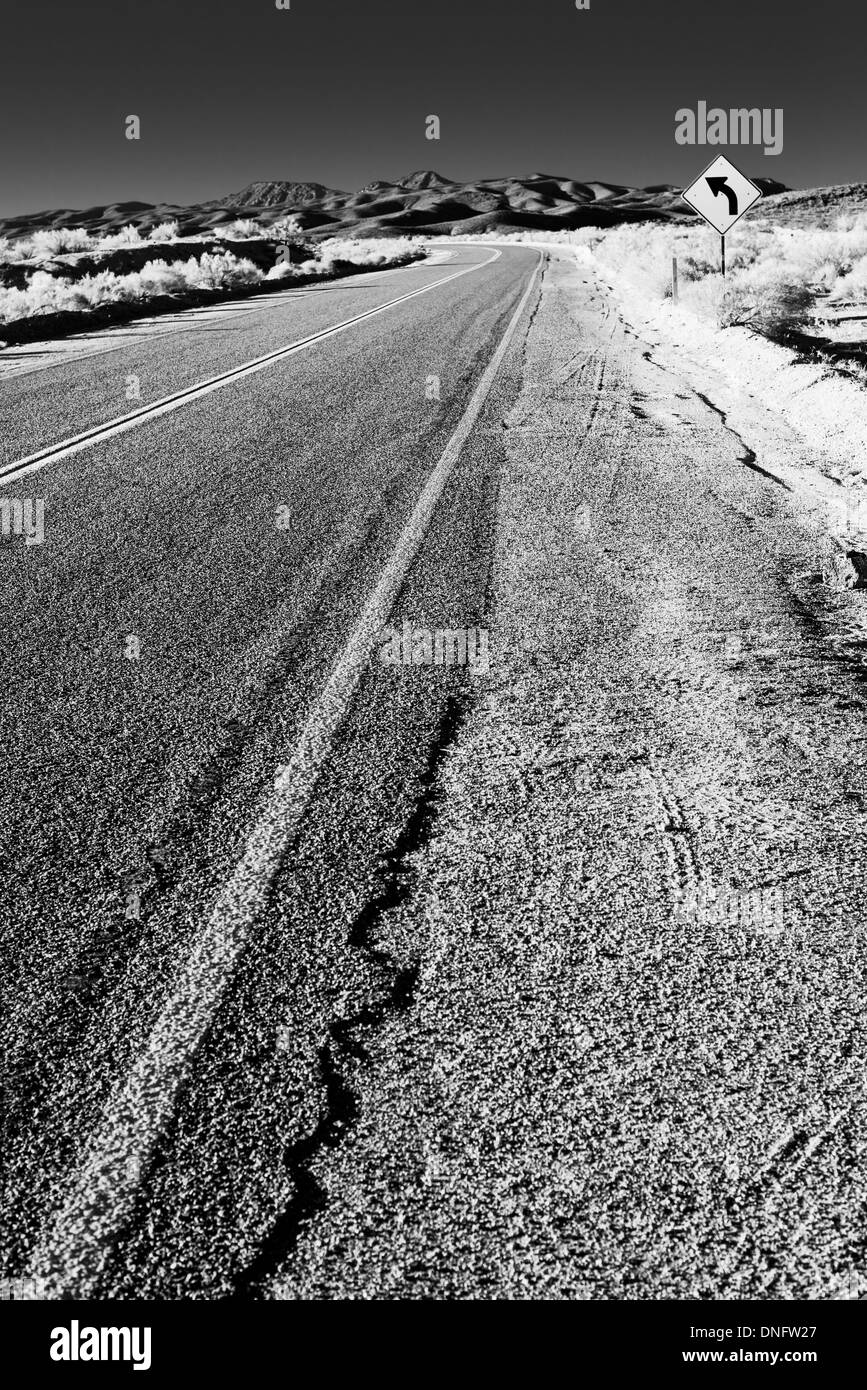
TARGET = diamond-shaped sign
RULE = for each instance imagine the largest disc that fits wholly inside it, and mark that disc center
(721, 195)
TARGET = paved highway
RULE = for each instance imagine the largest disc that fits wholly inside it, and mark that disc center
(329, 978)
(169, 650)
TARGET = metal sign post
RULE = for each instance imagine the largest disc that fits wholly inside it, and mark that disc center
(723, 246)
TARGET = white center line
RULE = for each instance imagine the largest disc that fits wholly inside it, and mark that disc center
(102, 1191)
(53, 453)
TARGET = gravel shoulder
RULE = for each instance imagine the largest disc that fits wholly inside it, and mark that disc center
(634, 1064)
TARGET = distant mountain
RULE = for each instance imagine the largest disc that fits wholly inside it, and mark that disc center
(278, 194)
(425, 202)
(813, 207)
(425, 178)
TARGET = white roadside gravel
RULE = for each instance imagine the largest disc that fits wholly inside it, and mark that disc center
(635, 1063)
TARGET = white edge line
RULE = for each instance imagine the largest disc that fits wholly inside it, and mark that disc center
(53, 453)
(72, 1251)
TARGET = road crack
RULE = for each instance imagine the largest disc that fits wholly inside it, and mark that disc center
(348, 1037)
(748, 458)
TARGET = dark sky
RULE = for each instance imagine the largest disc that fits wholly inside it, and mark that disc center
(337, 91)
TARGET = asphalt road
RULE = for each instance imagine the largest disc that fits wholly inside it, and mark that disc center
(200, 576)
(556, 989)
(634, 1066)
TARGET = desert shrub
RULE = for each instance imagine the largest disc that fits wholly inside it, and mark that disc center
(330, 255)
(37, 298)
(127, 236)
(214, 270)
(775, 273)
(695, 267)
(825, 275)
(159, 277)
(45, 293)
(641, 253)
(285, 228)
(103, 287)
(285, 271)
(368, 251)
(772, 306)
(852, 286)
(54, 241)
(241, 229)
(704, 298)
(165, 231)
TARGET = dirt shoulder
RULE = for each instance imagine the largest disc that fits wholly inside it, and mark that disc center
(805, 423)
(634, 1066)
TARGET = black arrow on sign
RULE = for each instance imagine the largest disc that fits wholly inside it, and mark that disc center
(719, 184)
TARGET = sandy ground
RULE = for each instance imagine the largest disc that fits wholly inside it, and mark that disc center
(804, 422)
(635, 1065)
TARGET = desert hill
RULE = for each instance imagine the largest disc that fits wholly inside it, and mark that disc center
(426, 202)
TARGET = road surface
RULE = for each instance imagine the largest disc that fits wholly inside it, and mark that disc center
(328, 978)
